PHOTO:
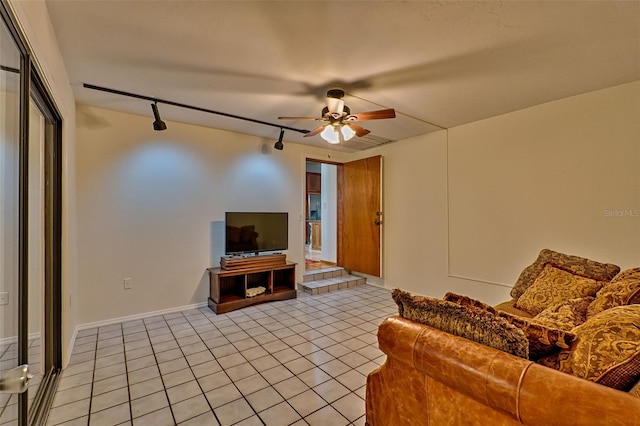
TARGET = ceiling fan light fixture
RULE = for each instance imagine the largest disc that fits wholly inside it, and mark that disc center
(331, 135)
(347, 132)
(335, 105)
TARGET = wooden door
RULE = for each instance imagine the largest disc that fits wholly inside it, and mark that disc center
(360, 216)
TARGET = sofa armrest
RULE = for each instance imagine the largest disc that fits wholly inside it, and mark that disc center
(490, 377)
(512, 387)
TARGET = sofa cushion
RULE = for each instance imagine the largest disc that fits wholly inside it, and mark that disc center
(510, 307)
(635, 390)
(469, 322)
(543, 340)
(623, 289)
(567, 314)
(606, 349)
(578, 265)
(553, 286)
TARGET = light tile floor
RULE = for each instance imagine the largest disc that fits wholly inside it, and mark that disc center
(295, 362)
(9, 360)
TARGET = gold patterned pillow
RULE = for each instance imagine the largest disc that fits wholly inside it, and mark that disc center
(565, 315)
(555, 285)
(623, 289)
(578, 265)
(606, 349)
(543, 339)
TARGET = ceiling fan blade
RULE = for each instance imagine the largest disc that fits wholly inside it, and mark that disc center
(299, 118)
(360, 131)
(373, 115)
(316, 130)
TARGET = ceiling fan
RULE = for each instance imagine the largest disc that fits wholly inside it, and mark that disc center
(338, 122)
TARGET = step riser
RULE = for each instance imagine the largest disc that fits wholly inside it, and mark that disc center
(324, 274)
(331, 284)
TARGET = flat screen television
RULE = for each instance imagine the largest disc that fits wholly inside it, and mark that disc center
(255, 232)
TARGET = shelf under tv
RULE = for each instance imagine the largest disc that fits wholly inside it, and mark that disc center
(228, 287)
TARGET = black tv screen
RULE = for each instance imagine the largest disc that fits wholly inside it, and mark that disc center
(254, 232)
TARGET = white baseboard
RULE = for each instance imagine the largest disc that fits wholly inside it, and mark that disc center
(128, 318)
(65, 360)
(6, 341)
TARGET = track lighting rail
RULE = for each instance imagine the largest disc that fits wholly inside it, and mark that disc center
(195, 108)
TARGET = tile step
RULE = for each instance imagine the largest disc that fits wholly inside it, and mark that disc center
(331, 284)
(324, 273)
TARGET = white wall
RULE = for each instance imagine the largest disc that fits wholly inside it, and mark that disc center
(495, 192)
(147, 200)
(137, 216)
(547, 176)
(415, 217)
(151, 205)
(329, 202)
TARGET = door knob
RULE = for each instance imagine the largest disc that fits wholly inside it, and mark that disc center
(16, 380)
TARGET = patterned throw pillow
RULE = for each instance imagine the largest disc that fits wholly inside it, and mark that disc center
(606, 349)
(624, 289)
(467, 301)
(550, 361)
(578, 265)
(555, 285)
(565, 315)
(465, 321)
(543, 339)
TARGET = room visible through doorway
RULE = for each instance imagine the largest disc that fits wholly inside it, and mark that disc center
(320, 215)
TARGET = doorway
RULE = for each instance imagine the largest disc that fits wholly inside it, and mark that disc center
(348, 222)
(320, 215)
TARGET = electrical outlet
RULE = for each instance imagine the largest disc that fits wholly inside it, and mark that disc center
(4, 297)
(128, 283)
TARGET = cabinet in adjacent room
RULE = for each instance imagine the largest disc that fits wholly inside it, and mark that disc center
(314, 183)
(314, 187)
(316, 235)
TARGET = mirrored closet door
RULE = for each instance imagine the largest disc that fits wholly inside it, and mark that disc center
(30, 235)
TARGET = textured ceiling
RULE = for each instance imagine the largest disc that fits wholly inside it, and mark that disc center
(439, 64)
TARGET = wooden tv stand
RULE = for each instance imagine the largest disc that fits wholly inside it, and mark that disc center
(230, 289)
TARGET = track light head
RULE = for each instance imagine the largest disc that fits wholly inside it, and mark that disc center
(158, 124)
(279, 145)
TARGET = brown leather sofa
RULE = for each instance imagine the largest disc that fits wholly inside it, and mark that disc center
(431, 377)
